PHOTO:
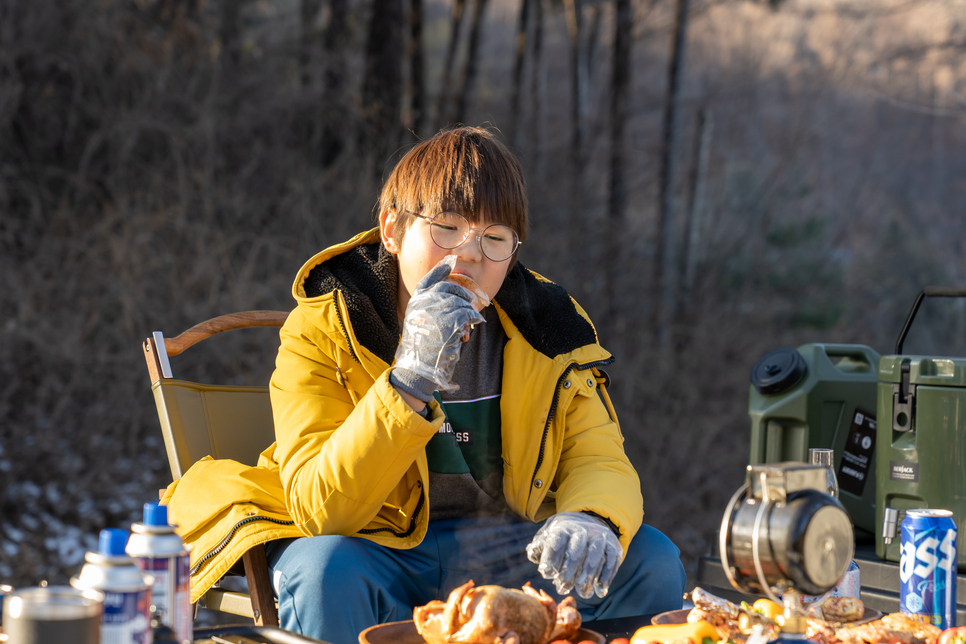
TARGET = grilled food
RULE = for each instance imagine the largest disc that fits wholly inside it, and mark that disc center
(828, 622)
(496, 615)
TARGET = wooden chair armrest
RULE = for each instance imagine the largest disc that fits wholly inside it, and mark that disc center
(208, 328)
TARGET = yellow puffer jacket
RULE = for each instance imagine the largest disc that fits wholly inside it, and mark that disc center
(350, 455)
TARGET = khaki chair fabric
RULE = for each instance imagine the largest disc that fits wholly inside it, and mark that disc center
(222, 421)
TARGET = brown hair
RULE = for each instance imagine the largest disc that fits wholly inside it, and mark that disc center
(465, 170)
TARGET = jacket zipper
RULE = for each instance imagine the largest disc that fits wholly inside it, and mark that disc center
(412, 520)
(224, 542)
(345, 331)
(553, 407)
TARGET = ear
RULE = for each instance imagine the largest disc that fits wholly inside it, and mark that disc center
(387, 221)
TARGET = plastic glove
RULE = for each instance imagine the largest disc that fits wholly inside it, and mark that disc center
(437, 315)
(577, 551)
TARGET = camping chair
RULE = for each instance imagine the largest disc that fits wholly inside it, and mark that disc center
(233, 422)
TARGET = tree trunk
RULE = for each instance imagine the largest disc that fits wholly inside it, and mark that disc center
(307, 12)
(578, 102)
(699, 179)
(616, 202)
(382, 84)
(664, 258)
(578, 82)
(536, 86)
(446, 90)
(228, 33)
(416, 77)
(334, 44)
(521, 50)
(593, 30)
(472, 62)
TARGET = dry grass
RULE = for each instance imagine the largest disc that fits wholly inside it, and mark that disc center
(143, 188)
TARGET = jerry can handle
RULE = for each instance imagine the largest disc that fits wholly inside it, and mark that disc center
(866, 354)
(929, 291)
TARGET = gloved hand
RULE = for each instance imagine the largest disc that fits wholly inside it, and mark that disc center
(436, 317)
(578, 551)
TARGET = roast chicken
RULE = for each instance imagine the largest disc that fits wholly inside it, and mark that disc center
(496, 615)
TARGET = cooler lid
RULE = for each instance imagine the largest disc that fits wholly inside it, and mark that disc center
(924, 370)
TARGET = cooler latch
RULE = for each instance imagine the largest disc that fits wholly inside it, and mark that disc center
(903, 401)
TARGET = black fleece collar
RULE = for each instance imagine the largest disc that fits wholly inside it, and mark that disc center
(367, 276)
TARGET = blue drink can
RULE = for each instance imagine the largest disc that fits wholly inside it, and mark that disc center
(927, 567)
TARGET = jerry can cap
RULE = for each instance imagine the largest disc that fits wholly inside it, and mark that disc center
(778, 371)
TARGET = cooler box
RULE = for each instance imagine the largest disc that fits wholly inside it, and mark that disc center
(820, 395)
(922, 438)
(921, 443)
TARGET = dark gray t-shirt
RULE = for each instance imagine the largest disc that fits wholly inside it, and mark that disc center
(466, 455)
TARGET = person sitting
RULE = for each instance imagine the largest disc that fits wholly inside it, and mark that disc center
(408, 461)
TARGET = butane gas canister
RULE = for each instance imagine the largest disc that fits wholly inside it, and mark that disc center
(127, 593)
(820, 396)
(160, 553)
(4, 591)
(921, 439)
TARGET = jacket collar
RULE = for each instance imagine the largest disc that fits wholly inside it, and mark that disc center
(367, 275)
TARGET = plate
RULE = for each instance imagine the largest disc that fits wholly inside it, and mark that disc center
(680, 616)
(406, 633)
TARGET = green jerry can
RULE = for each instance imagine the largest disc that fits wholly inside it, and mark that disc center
(820, 395)
(921, 438)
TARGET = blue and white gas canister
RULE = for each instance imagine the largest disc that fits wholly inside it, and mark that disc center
(127, 591)
(927, 567)
(161, 553)
(4, 591)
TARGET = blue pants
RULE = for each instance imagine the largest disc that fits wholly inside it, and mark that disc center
(333, 587)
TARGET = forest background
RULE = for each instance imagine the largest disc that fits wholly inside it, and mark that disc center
(711, 180)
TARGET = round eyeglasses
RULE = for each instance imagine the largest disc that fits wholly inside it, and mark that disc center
(449, 230)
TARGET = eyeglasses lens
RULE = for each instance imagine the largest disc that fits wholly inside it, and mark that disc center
(450, 229)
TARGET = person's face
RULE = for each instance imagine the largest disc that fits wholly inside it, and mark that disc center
(418, 254)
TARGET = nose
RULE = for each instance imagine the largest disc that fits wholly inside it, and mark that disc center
(471, 249)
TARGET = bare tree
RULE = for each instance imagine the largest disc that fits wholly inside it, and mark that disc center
(416, 76)
(620, 82)
(472, 62)
(693, 229)
(578, 78)
(308, 9)
(664, 259)
(229, 34)
(334, 44)
(446, 89)
(536, 87)
(523, 25)
(382, 84)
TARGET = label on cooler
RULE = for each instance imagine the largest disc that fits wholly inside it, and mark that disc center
(902, 471)
(172, 592)
(126, 618)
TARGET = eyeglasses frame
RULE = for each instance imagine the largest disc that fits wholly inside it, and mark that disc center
(479, 237)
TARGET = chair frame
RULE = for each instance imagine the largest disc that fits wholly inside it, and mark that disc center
(260, 603)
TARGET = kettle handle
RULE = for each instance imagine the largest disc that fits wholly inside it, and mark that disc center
(929, 291)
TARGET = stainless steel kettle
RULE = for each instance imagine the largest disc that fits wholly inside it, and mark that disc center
(782, 535)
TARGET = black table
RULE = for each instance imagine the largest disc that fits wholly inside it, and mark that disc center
(620, 627)
(245, 634)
